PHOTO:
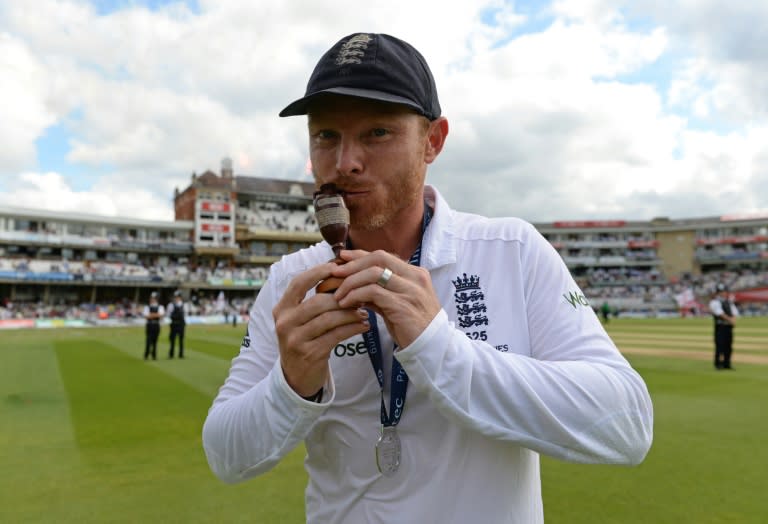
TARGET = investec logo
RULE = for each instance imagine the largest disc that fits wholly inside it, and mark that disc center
(350, 349)
(576, 299)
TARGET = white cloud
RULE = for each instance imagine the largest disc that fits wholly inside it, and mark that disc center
(25, 95)
(538, 119)
(110, 197)
(727, 77)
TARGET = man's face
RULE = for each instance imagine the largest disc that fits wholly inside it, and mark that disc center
(376, 152)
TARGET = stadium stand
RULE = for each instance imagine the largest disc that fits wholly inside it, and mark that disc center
(228, 229)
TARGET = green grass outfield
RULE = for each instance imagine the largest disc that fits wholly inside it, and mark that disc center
(90, 433)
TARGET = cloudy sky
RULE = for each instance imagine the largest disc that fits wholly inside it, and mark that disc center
(569, 109)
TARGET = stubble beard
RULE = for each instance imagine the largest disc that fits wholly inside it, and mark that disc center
(399, 197)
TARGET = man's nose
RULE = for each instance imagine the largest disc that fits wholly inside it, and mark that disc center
(349, 156)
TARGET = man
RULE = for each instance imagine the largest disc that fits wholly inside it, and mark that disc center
(153, 313)
(178, 323)
(724, 313)
(456, 350)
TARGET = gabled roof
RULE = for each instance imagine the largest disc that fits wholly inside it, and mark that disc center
(251, 184)
(212, 180)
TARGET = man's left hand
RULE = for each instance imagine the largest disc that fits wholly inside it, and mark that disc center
(407, 301)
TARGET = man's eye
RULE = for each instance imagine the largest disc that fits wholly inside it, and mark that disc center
(379, 131)
(324, 135)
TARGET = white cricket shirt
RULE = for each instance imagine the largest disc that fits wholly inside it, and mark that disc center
(515, 364)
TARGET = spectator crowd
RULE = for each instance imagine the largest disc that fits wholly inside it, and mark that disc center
(627, 290)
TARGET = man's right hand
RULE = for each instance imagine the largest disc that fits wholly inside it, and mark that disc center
(308, 330)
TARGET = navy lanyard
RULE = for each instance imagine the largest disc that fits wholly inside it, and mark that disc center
(399, 384)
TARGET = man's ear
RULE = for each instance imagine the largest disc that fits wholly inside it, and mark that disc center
(436, 135)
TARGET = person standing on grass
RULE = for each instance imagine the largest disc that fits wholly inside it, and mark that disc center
(153, 313)
(456, 350)
(605, 311)
(724, 313)
(175, 312)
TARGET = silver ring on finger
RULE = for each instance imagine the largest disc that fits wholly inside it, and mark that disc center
(384, 278)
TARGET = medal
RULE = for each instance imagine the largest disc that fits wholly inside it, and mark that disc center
(388, 451)
(388, 447)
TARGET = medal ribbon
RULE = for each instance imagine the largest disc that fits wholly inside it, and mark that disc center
(399, 384)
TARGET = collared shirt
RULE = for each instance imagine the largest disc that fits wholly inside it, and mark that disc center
(717, 309)
(515, 364)
(176, 313)
(153, 308)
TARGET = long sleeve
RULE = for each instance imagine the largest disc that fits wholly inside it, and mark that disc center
(256, 418)
(562, 389)
(573, 409)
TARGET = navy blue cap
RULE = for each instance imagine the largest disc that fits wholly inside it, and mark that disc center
(374, 66)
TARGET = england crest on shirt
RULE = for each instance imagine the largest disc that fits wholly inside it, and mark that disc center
(470, 306)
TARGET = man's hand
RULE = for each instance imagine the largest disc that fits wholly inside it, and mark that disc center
(308, 330)
(408, 303)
